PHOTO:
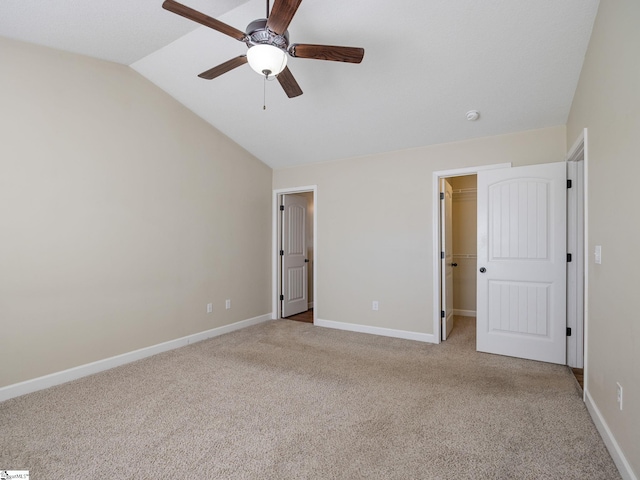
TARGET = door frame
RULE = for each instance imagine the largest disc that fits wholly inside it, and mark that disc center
(276, 270)
(437, 242)
(446, 260)
(577, 243)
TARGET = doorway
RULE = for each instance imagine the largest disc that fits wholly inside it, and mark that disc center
(458, 257)
(463, 255)
(576, 340)
(294, 253)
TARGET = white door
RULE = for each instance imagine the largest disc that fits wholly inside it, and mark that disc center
(446, 227)
(294, 255)
(522, 254)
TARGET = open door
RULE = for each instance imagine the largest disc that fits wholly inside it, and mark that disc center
(446, 228)
(293, 255)
(521, 282)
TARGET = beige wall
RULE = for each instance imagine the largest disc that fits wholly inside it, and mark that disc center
(607, 102)
(122, 216)
(374, 218)
(465, 216)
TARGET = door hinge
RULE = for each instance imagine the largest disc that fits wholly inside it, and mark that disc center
(281, 253)
(568, 257)
(441, 254)
(281, 297)
(442, 313)
(282, 208)
(568, 183)
(441, 195)
(568, 331)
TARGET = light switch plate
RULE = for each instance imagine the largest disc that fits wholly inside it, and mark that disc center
(598, 254)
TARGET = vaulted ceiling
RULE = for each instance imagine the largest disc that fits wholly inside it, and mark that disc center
(427, 63)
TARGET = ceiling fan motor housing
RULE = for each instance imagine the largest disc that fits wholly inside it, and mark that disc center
(259, 34)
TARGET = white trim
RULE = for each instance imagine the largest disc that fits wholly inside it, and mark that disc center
(275, 264)
(385, 332)
(437, 323)
(586, 260)
(576, 245)
(57, 378)
(578, 146)
(464, 313)
(609, 440)
(310, 305)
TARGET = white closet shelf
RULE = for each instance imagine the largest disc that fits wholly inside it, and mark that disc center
(465, 190)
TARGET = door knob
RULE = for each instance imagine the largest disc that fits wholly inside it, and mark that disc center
(306, 260)
(482, 270)
(454, 264)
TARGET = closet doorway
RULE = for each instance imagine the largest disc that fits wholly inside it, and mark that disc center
(463, 282)
(458, 257)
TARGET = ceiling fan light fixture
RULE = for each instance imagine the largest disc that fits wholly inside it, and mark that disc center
(267, 60)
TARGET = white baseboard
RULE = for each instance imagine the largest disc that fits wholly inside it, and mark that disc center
(464, 313)
(40, 383)
(609, 440)
(385, 332)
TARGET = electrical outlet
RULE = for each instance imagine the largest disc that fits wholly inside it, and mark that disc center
(209, 307)
(619, 390)
(227, 304)
(374, 305)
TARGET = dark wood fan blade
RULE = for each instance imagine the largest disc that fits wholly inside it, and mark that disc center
(327, 52)
(288, 83)
(224, 67)
(281, 15)
(203, 19)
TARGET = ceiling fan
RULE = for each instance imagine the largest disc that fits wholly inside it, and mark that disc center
(268, 43)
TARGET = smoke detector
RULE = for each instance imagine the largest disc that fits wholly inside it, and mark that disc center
(473, 115)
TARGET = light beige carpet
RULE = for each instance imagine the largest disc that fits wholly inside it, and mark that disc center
(287, 400)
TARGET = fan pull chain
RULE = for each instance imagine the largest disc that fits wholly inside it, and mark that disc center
(264, 93)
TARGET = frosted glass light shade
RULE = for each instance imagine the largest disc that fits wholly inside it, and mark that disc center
(266, 60)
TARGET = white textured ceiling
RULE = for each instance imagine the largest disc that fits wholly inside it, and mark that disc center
(120, 31)
(427, 63)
